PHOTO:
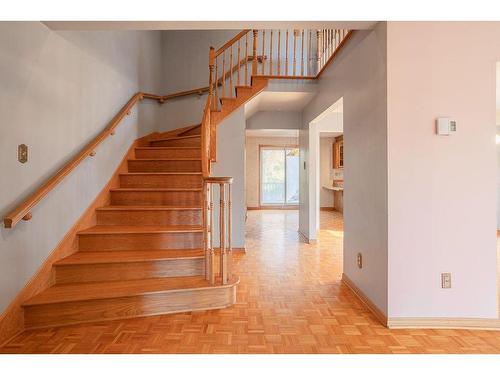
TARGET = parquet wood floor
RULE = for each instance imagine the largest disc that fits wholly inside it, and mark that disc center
(290, 300)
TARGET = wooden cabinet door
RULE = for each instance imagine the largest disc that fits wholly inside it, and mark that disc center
(338, 153)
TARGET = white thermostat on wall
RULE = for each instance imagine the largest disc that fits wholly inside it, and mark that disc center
(445, 126)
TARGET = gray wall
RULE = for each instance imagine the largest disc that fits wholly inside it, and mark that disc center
(185, 67)
(359, 75)
(275, 120)
(231, 162)
(58, 90)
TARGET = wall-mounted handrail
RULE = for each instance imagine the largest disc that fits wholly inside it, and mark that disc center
(23, 210)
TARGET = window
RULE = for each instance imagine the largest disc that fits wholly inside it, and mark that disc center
(279, 176)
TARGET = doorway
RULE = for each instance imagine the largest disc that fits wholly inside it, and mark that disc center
(279, 176)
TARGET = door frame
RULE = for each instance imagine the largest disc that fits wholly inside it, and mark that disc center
(270, 206)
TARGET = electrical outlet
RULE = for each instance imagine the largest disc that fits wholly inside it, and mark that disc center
(446, 280)
(359, 260)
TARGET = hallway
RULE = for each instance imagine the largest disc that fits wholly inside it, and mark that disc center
(290, 300)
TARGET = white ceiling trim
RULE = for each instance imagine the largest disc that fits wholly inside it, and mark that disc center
(205, 25)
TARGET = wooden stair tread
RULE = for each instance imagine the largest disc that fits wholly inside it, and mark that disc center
(98, 257)
(126, 229)
(116, 289)
(160, 173)
(180, 137)
(168, 147)
(156, 189)
(147, 208)
(165, 159)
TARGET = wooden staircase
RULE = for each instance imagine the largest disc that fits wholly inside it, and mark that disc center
(146, 254)
(152, 250)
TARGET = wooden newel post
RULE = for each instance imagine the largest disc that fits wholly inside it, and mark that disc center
(211, 65)
(206, 233)
(229, 221)
(222, 230)
(254, 53)
(211, 255)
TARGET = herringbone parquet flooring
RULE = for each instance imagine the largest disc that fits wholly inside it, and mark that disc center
(290, 300)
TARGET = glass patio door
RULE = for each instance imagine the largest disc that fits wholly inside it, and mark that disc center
(279, 176)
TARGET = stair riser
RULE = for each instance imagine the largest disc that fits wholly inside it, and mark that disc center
(140, 241)
(165, 153)
(58, 314)
(128, 271)
(164, 166)
(161, 181)
(147, 217)
(240, 91)
(195, 131)
(190, 142)
(165, 198)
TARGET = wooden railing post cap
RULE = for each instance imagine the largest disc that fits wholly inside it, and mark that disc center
(218, 180)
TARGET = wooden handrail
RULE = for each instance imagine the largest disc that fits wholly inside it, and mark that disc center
(197, 91)
(240, 35)
(23, 210)
(202, 90)
(205, 139)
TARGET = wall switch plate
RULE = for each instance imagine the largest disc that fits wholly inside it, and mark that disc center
(359, 260)
(445, 126)
(446, 280)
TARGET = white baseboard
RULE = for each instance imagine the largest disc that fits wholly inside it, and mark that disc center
(422, 323)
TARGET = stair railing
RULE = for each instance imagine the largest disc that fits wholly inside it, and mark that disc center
(23, 210)
(229, 67)
(222, 233)
(288, 54)
(297, 53)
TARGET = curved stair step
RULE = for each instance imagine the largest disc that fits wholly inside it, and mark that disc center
(90, 302)
(167, 152)
(188, 140)
(164, 165)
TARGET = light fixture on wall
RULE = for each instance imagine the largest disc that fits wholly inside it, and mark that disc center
(497, 139)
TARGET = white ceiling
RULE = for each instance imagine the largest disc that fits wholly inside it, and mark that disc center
(205, 25)
(272, 133)
(278, 101)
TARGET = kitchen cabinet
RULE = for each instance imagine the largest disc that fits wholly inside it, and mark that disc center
(338, 152)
